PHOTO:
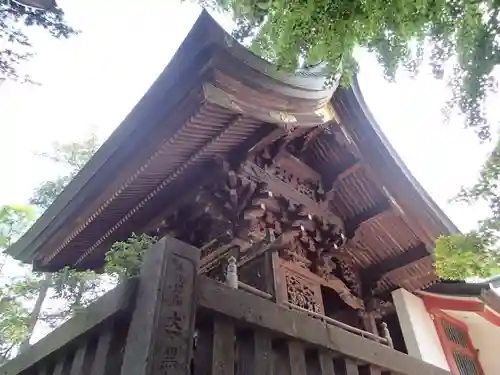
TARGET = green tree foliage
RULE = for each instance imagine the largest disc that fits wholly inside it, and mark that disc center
(124, 259)
(70, 157)
(15, 46)
(14, 221)
(72, 290)
(461, 36)
(461, 256)
(13, 327)
(476, 253)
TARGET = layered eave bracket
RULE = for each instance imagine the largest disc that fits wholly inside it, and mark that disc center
(217, 101)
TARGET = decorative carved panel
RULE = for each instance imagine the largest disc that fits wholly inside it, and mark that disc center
(300, 290)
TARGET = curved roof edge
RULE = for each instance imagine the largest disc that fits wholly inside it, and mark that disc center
(193, 56)
(195, 53)
(445, 225)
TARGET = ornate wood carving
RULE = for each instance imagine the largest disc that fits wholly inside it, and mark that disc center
(274, 203)
(327, 268)
(285, 185)
(303, 294)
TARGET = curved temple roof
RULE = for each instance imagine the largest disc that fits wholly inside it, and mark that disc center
(216, 99)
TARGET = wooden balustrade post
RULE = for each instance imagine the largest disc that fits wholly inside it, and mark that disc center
(162, 326)
(387, 334)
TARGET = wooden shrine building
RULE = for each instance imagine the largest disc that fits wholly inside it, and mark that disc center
(293, 180)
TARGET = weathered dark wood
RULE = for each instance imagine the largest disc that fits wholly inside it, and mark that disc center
(59, 367)
(115, 302)
(279, 288)
(269, 274)
(203, 352)
(377, 271)
(256, 173)
(352, 224)
(263, 354)
(245, 354)
(369, 323)
(326, 363)
(351, 367)
(278, 243)
(352, 166)
(42, 370)
(223, 347)
(257, 311)
(162, 325)
(370, 370)
(78, 364)
(101, 353)
(297, 358)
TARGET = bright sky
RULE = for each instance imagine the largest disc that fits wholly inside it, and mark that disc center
(93, 80)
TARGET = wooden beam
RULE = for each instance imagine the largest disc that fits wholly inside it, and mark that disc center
(346, 171)
(113, 303)
(255, 311)
(256, 251)
(377, 271)
(278, 187)
(272, 137)
(353, 223)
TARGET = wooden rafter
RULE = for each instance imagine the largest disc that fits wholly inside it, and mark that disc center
(353, 223)
(376, 272)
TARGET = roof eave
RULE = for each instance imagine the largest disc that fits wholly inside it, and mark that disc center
(441, 223)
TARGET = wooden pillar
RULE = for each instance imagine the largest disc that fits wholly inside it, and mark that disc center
(162, 326)
(369, 323)
(273, 276)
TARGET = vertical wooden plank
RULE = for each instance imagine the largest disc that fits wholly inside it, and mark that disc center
(101, 353)
(297, 358)
(263, 354)
(369, 323)
(269, 275)
(223, 347)
(374, 371)
(326, 363)
(351, 367)
(42, 369)
(59, 367)
(203, 352)
(280, 295)
(244, 354)
(160, 338)
(370, 370)
(281, 358)
(78, 362)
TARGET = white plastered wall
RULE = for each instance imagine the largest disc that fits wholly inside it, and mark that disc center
(418, 329)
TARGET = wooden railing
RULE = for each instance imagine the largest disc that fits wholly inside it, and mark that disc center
(92, 342)
(147, 326)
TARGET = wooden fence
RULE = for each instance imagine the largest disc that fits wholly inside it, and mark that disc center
(171, 321)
